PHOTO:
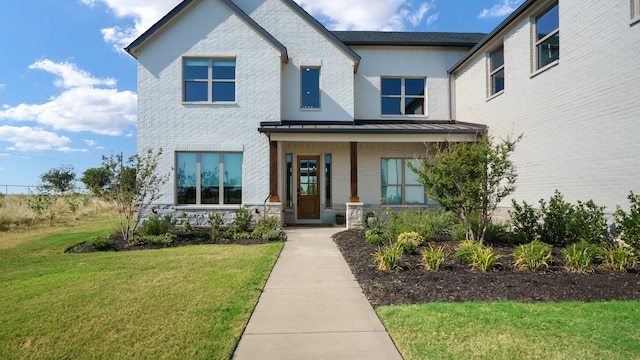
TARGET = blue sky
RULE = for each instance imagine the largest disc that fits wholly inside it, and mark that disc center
(68, 91)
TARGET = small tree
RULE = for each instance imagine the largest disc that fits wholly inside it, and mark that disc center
(59, 180)
(96, 180)
(133, 186)
(471, 179)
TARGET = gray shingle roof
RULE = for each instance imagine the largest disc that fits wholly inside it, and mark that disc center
(373, 127)
(408, 38)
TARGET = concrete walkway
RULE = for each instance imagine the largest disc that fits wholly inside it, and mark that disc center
(313, 308)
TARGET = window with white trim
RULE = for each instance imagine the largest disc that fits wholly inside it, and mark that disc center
(547, 37)
(402, 95)
(209, 80)
(635, 9)
(496, 71)
(208, 178)
(400, 185)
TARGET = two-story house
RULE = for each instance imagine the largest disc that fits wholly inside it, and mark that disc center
(256, 104)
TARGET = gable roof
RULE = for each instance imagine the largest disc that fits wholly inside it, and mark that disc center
(386, 38)
(330, 35)
(185, 4)
(505, 23)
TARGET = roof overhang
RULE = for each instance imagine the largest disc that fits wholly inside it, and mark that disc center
(372, 131)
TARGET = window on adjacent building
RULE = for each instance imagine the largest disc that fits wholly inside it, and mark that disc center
(635, 9)
(547, 37)
(209, 80)
(402, 96)
(208, 178)
(400, 184)
(496, 71)
(310, 87)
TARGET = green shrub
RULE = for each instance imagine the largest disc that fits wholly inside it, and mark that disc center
(628, 225)
(407, 246)
(465, 251)
(495, 231)
(525, 220)
(484, 258)
(155, 225)
(433, 258)
(243, 218)
(459, 232)
(580, 256)
(589, 223)
(101, 242)
(440, 221)
(269, 228)
(410, 220)
(388, 258)
(617, 258)
(374, 239)
(557, 219)
(215, 220)
(413, 237)
(163, 239)
(532, 256)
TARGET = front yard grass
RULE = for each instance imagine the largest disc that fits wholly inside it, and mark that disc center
(188, 302)
(510, 330)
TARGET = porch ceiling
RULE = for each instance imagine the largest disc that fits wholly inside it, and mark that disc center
(372, 131)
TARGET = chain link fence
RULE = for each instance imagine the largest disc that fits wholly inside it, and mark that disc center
(17, 189)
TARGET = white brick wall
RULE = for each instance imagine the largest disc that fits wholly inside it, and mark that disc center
(307, 46)
(580, 119)
(431, 63)
(164, 121)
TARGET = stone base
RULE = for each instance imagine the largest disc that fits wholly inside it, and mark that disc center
(355, 215)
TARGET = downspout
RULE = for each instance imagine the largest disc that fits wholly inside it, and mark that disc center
(451, 96)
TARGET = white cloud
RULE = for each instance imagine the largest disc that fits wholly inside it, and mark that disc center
(25, 138)
(82, 106)
(385, 15)
(93, 144)
(3, 86)
(504, 7)
(144, 13)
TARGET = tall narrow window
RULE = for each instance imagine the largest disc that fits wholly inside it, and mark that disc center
(400, 184)
(310, 87)
(327, 181)
(209, 80)
(402, 96)
(208, 178)
(496, 71)
(547, 37)
(289, 161)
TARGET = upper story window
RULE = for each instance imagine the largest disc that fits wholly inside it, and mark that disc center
(496, 71)
(402, 96)
(547, 37)
(310, 88)
(209, 80)
(635, 10)
(208, 178)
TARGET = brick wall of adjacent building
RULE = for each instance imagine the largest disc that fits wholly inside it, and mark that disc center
(580, 119)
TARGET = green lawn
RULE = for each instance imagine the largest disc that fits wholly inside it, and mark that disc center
(189, 303)
(506, 330)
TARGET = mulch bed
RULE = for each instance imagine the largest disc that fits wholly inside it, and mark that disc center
(460, 283)
(198, 236)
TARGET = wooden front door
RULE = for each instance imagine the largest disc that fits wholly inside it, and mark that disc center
(308, 187)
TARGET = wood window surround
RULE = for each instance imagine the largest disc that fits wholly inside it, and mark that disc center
(635, 11)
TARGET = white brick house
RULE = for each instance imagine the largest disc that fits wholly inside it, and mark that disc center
(256, 104)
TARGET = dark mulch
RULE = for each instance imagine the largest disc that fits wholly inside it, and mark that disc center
(459, 282)
(198, 236)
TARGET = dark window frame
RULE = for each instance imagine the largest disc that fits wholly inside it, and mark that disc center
(228, 191)
(402, 96)
(310, 87)
(211, 81)
(547, 40)
(402, 184)
(496, 72)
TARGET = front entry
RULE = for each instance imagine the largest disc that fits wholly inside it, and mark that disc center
(308, 188)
